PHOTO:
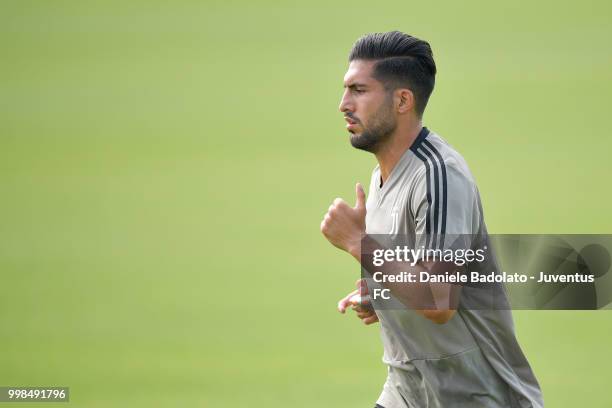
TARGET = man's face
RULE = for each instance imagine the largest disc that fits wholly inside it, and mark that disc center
(367, 107)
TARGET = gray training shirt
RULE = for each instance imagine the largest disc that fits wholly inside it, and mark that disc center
(473, 360)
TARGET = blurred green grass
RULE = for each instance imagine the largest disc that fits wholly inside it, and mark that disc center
(164, 168)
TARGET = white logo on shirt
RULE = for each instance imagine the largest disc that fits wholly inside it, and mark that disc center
(395, 222)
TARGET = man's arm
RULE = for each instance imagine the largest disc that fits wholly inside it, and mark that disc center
(436, 301)
(344, 227)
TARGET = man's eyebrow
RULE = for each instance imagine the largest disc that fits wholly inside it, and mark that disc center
(355, 85)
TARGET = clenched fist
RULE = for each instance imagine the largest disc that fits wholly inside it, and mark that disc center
(344, 226)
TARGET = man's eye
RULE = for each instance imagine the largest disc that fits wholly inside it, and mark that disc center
(359, 91)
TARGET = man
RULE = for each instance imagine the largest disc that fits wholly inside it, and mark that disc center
(445, 354)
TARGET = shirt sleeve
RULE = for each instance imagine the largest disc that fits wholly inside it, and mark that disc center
(445, 206)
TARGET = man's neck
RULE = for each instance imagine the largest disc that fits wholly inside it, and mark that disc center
(396, 145)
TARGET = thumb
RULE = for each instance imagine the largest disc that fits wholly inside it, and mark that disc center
(361, 197)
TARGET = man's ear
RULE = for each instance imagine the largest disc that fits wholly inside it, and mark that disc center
(406, 100)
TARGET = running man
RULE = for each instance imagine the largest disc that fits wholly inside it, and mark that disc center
(450, 356)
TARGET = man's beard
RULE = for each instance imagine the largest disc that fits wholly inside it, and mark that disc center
(381, 125)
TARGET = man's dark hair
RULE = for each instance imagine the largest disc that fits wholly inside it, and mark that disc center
(403, 62)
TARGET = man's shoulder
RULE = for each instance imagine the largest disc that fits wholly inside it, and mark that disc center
(437, 155)
(442, 176)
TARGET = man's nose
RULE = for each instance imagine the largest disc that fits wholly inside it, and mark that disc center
(345, 103)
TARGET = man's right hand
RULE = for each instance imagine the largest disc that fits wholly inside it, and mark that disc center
(360, 303)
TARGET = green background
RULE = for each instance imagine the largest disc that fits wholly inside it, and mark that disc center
(164, 167)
